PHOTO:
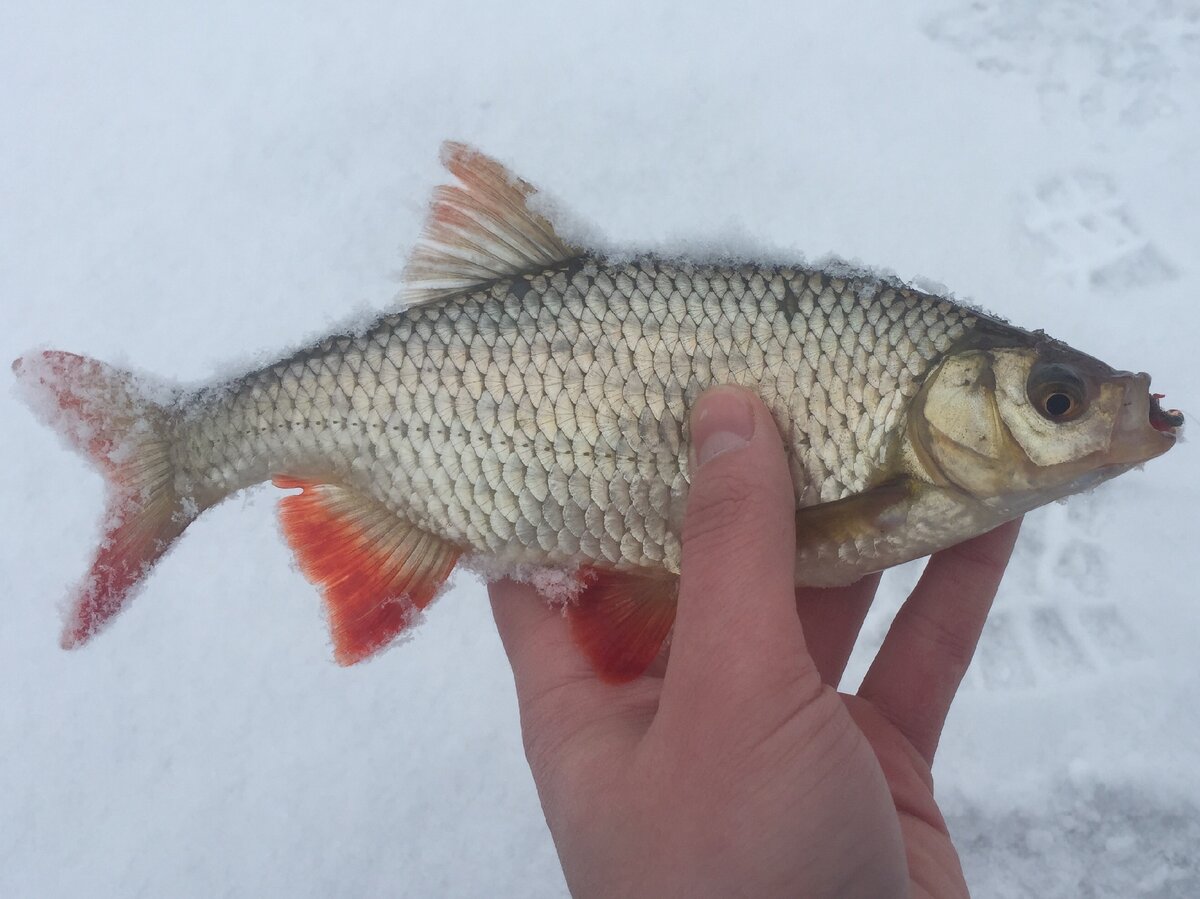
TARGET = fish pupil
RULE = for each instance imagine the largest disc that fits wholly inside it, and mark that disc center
(1058, 404)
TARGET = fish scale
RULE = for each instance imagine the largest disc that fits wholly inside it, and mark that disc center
(502, 418)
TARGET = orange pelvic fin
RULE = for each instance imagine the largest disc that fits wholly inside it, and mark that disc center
(621, 620)
(375, 570)
(121, 425)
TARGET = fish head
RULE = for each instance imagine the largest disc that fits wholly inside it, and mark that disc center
(1017, 426)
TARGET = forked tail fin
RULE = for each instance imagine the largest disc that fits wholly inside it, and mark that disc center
(123, 427)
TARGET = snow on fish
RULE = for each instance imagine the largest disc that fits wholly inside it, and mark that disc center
(529, 404)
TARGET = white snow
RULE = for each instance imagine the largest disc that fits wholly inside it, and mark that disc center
(554, 584)
(191, 183)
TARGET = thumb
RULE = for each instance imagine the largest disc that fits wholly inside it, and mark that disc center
(737, 632)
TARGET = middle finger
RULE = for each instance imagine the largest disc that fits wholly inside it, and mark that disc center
(832, 618)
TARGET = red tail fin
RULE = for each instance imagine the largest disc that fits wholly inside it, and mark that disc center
(111, 419)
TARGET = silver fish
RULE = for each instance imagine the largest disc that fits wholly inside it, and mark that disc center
(530, 401)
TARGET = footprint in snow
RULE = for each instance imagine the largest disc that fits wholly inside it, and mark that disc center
(1082, 231)
(1119, 63)
(1083, 840)
(1054, 620)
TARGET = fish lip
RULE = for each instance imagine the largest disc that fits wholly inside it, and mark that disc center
(1143, 430)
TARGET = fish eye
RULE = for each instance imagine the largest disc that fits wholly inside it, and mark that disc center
(1057, 392)
(1058, 404)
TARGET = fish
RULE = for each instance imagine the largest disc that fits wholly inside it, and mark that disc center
(528, 403)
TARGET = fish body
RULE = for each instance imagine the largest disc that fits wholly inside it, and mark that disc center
(530, 405)
(543, 420)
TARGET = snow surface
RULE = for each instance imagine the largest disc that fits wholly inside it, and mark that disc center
(188, 186)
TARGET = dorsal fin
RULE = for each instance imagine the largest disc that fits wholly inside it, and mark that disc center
(480, 231)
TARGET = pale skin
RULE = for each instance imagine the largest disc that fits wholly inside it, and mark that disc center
(736, 768)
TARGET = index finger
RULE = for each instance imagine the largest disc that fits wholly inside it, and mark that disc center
(536, 638)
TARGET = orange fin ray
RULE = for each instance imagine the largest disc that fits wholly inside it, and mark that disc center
(621, 620)
(375, 570)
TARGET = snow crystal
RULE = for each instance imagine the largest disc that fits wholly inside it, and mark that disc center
(554, 584)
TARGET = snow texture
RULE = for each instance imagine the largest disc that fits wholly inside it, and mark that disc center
(189, 186)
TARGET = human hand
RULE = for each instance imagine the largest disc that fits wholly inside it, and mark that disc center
(740, 771)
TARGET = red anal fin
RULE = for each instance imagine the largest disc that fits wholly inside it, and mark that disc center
(621, 620)
(374, 569)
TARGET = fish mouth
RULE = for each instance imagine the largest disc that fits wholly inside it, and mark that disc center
(1166, 420)
(1143, 429)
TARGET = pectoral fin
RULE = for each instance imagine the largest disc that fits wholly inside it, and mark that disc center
(871, 513)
